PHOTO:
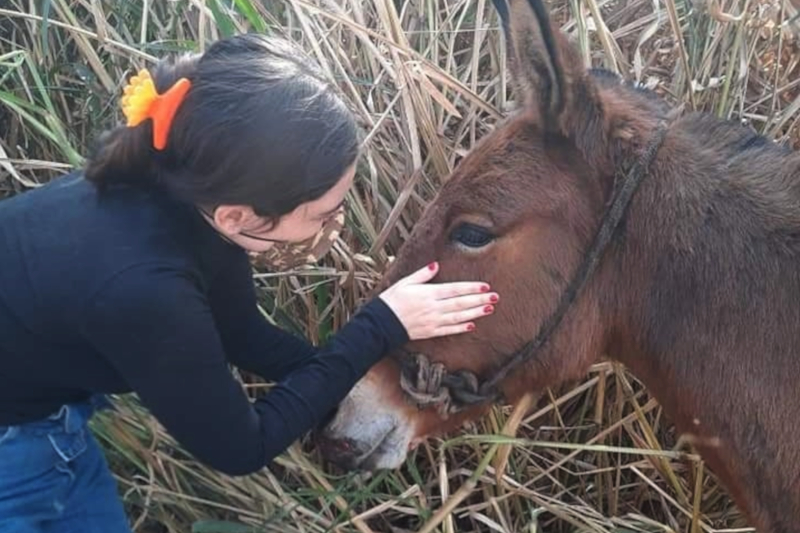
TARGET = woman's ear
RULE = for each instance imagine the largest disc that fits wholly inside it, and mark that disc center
(233, 219)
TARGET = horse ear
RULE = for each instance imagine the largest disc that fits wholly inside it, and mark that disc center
(547, 73)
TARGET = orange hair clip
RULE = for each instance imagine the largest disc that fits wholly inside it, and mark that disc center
(140, 101)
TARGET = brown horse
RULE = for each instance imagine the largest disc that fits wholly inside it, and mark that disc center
(696, 290)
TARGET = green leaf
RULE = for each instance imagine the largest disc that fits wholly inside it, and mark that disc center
(50, 128)
(323, 299)
(224, 21)
(219, 526)
(45, 22)
(10, 62)
(250, 12)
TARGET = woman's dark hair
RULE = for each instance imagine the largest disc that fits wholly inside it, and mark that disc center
(261, 126)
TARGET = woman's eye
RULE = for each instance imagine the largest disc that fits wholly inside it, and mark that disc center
(471, 235)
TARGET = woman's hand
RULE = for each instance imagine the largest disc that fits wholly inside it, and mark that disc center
(436, 310)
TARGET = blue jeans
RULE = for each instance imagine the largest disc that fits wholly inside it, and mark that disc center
(54, 477)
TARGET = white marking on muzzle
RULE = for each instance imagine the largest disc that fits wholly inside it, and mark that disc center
(381, 433)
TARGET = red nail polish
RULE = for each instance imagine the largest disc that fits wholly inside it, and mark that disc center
(494, 298)
(470, 327)
(485, 288)
(488, 309)
(432, 266)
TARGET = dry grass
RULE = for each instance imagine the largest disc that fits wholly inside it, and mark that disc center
(425, 78)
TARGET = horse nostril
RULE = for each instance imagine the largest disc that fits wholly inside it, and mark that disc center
(342, 446)
(336, 450)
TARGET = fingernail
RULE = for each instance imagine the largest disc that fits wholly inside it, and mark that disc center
(432, 266)
(485, 288)
(488, 309)
(470, 327)
(494, 298)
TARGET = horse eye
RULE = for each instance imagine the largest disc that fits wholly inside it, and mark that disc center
(471, 235)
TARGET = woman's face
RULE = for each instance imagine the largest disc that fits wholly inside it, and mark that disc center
(242, 226)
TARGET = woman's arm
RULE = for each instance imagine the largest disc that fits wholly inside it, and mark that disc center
(250, 341)
(156, 328)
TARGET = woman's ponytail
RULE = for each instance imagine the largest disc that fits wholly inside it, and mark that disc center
(122, 156)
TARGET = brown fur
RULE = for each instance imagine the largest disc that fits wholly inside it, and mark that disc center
(699, 293)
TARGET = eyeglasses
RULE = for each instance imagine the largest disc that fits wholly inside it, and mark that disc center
(328, 218)
(248, 235)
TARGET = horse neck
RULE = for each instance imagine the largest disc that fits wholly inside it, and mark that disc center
(703, 307)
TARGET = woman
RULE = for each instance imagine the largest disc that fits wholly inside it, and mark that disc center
(133, 276)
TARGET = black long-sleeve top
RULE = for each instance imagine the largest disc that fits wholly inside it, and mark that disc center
(132, 291)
